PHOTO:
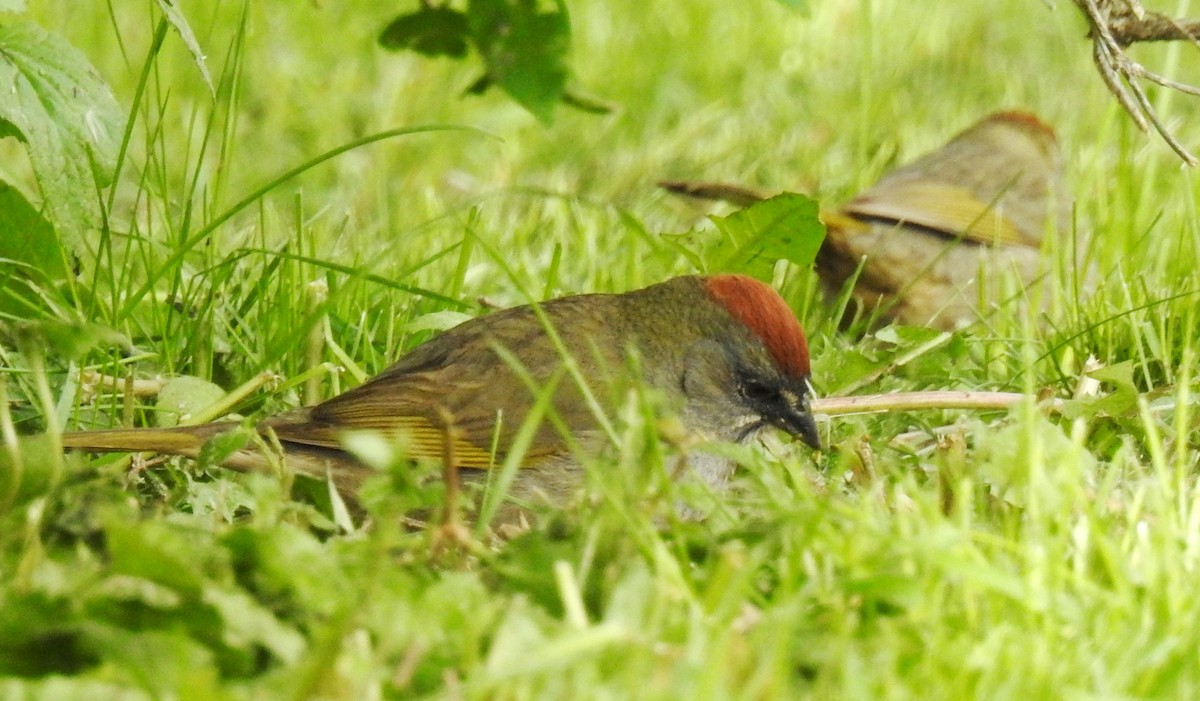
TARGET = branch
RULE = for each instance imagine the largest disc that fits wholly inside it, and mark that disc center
(908, 401)
(1113, 26)
(1129, 29)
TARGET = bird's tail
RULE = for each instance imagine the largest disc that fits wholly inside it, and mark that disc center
(313, 461)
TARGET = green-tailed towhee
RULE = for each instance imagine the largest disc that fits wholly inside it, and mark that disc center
(725, 353)
(941, 236)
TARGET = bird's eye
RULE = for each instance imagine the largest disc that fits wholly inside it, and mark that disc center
(759, 392)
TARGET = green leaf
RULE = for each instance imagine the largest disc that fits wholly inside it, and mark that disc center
(1119, 375)
(432, 31)
(54, 688)
(784, 227)
(166, 664)
(219, 448)
(247, 624)
(61, 339)
(157, 552)
(39, 635)
(267, 559)
(26, 237)
(179, 22)
(29, 252)
(1121, 400)
(183, 397)
(524, 51)
(66, 116)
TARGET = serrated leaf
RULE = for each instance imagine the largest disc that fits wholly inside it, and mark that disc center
(185, 396)
(1121, 400)
(57, 105)
(176, 19)
(1119, 375)
(524, 51)
(784, 227)
(432, 31)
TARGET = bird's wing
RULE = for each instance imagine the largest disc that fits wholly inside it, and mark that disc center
(410, 416)
(946, 208)
(419, 437)
(455, 379)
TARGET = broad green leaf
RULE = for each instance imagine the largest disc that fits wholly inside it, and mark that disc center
(39, 635)
(432, 31)
(38, 468)
(185, 396)
(1119, 375)
(784, 227)
(158, 552)
(61, 339)
(524, 51)
(29, 251)
(66, 116)
(26, 237)
(179, 22)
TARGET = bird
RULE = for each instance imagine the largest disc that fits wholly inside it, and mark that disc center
(725, 352)
(940, 241)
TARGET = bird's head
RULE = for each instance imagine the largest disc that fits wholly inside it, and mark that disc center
(751, 368)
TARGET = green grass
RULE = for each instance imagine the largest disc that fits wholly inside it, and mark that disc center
(1019, 555)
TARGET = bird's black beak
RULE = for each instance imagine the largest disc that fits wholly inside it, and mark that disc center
(782, 404)
(796, 418)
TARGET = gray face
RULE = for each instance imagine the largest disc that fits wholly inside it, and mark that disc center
(731, 396)
(782, 404)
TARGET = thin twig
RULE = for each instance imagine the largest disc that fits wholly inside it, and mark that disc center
(451, 531)
(909, 401)
(1112, 29)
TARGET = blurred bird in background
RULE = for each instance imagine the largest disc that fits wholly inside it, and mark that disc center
(943, 240)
